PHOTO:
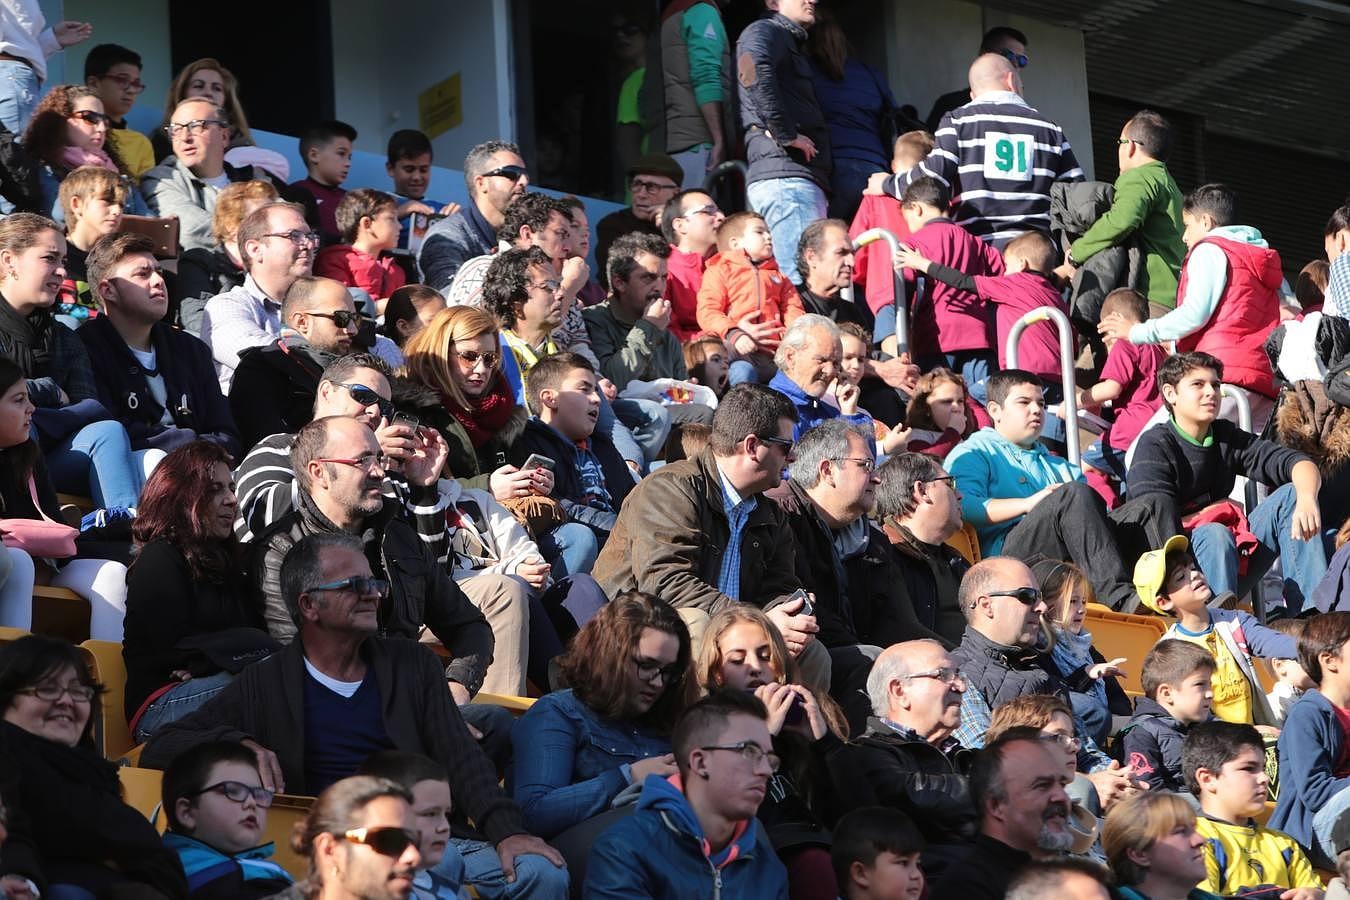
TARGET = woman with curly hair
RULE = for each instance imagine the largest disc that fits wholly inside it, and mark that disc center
(576, 750)
(69, 129)
(190, 615)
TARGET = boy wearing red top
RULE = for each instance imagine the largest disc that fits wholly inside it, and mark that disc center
(368, 221)
(745, 299)
(326, 149)
(1130, 381)
(950, 324)
(872, 265)
(689, 223)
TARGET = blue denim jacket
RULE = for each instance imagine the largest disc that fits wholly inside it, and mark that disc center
(570, 763)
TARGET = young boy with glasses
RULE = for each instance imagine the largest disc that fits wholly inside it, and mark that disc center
(217, 807)
(115, 73)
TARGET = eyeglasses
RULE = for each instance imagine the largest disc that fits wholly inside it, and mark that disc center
(867, 464)
(628, 30)
(342, 318)
(1027, 595)
(368, 462)
(1067, 741)
(709, 210)
(79, 692)
(126, 82)
(950, 479)
(196, 126)
(785, 443)
(648, 669)
(640, 185)
(751, 752)
(93, 118)
(944, 674)
(239, 792)
(510, 173)
(361, 585)
(1123, 141)
(296, 237)
(364, 395)
(389, 842)
(471, 357)
(550, 286)
(1017, 59)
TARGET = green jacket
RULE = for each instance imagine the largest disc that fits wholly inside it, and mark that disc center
(626, 352)
(1148, 204)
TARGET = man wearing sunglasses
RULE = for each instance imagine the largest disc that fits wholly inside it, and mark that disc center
(277, 246)
(1000, 39)
(347, 687)
(274, 386)
(495, 175)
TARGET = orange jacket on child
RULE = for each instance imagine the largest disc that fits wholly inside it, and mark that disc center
(733, 287)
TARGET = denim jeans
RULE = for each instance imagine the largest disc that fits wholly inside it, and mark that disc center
(623, 440)
(848, 180)
(1303, 563)
(741, 372)
(1105, 458)
(649, 423)
(536, 877)
(1324, 820)
(98, 460)
(788, 205)
(19, 89)
(571, 548)
(974, 366)
(178, 701)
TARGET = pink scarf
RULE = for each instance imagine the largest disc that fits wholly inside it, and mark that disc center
(73, 157)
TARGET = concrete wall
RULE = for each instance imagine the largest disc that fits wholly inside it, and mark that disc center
(932, 45)
(143, 26)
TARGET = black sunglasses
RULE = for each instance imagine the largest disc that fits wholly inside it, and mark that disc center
(389, 842)
(361, 585)
(512, 173)
(1017, 59)
(367, 396)
(1027, 595)
(342, 318)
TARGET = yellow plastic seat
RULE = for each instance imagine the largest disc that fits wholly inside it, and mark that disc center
(966, 542)
(60, 612)
(141, 789)
(517, 705)
(12, 634)
(111, 734)
(1123, 635)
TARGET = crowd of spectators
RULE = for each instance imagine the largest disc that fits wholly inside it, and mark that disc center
(804, 596)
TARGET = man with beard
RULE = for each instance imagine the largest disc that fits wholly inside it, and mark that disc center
(274, 386)
(860, 600)
(908, 758)
(1018, 785)
(630, 333)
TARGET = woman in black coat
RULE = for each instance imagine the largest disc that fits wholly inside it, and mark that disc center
(191, 620)
(69, 831)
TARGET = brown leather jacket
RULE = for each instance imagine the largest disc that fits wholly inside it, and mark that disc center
(671, 535)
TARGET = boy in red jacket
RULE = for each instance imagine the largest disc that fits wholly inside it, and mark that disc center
(950, 326)
(872, 265)
(745, 299)
(368, 220)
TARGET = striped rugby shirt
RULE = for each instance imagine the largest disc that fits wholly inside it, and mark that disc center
(998, 156)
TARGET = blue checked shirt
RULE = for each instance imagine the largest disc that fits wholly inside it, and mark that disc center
(975, 718)
(738, 513)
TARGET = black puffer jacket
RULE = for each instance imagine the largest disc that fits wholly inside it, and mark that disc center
(886, 768)
(1152, 743)
(274, 387)
(1000, 672)
(778, 102)
(1074, 206)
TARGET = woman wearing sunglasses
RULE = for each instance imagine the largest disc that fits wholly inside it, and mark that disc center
(69, 831)
(190, 622)
(576, 750)
(69, 129)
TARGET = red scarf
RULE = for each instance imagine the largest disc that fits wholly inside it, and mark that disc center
(486, 415)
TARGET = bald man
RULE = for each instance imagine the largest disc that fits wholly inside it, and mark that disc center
(907, 758)
(998, 156)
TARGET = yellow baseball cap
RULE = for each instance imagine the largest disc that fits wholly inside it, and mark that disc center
(1150, 573)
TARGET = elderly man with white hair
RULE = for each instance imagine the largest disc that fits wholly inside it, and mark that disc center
(808, 360)
(907, 758)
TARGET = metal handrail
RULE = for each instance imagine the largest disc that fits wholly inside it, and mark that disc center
(1244, 416)
(722, 171)
(871, 236)
(1066, 360)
